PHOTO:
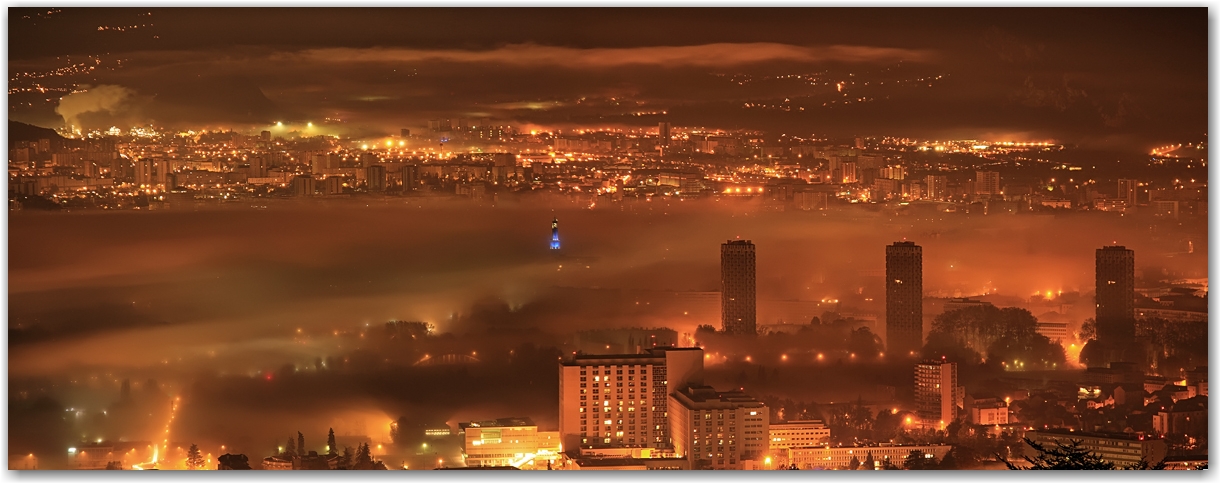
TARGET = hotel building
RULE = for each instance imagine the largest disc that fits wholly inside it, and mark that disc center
(621, 401)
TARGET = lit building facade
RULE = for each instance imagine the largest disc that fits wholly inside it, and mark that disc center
(718, 430)
(794, 434)
(1128, 189)
(987, 183)
(936, 187)
(144, 173)
(1118, 448)
(737, 292)
(621, 401)
(989, 412)
(500, 442)
(937, 395)
(829, 458)
(903, 298)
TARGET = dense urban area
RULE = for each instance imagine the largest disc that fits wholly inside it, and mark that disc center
(561, 239)
(1020, 376)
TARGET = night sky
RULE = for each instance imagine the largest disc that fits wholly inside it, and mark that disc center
(1110, 78)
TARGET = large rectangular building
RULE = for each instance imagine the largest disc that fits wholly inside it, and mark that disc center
(987, 183)
(1115, 287)
(621, 401)
(937, 187)
(903, 298)
(937, 395)
(795, 434)
(737, 293)
(509, 442)
(830, 458)
(789, 434)
(718, 430)
(1128, 190)
(1118, 448)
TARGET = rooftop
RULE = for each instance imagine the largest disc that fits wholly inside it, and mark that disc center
(707, 394)
(481, 468)
(501, 423)
(1087, 434)
(652, 353)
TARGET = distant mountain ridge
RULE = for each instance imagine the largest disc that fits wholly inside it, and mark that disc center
(21, 132)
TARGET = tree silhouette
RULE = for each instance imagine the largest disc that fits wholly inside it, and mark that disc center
(301, 444)
(194, 458)
(1002, 334)
(1072, 456)
(347, 459)
(331, 450)
(864, 342)
(918, 460)
(854, 463)
(290, 449)
(364, 458)
(1144, 465)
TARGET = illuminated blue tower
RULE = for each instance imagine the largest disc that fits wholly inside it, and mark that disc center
(555, 234)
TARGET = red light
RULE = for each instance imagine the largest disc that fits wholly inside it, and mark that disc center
(268, 376)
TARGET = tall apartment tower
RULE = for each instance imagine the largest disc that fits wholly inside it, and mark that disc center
(937, 395)
(737, 292)
(1127, 189)
(622, 401)
(144, 173)
(719, 430)
(375, 178)
(937, 187)
(663, 132)
(986, 183)
(258, 167)
(903, 298)
(1115, 293)
(848, 172)
(555, 234)
(161, 177)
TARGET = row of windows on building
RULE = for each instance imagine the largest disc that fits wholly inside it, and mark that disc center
(630, 398)
(607, 378)
(618, 434)
(607, 371)
(606, 440)
(630, 409)
(610, 422)
(618, 391)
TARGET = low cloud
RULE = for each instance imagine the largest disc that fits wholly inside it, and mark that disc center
(707, 55)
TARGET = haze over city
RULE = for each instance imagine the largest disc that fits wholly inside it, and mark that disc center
(292, 238)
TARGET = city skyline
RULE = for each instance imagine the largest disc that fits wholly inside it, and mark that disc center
(792, 239)
(1048, 85)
